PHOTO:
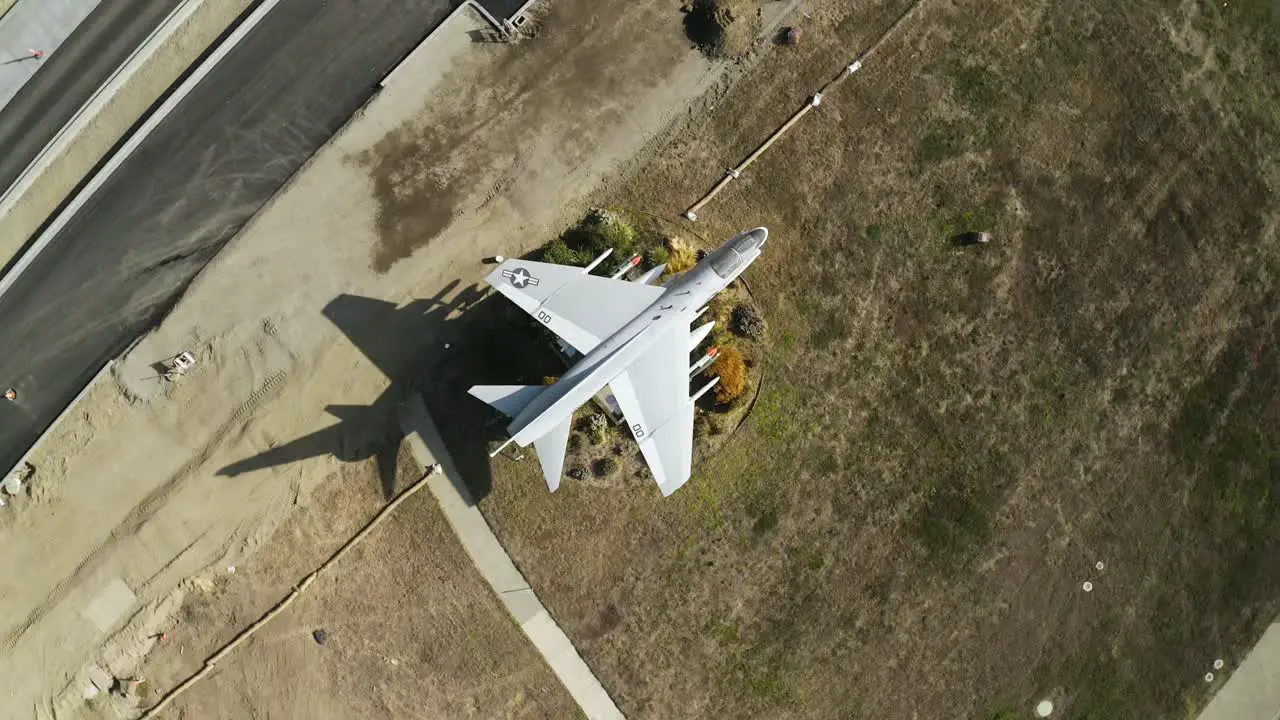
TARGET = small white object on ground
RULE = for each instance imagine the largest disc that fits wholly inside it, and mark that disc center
(1099, 565)
(691, 215)
(857, 65)
(1044, 709)
(231, 568)
(1217, 664)
(1208, 677)
(817, 100)
(12, 484)
(1088, 586)
(499, 258)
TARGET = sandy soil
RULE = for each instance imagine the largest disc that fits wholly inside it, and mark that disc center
(411, 629)
(317, 319)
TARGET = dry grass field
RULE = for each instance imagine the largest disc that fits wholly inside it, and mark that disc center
(412, 629)
(950, 438)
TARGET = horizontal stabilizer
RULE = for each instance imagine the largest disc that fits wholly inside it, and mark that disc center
(669, 451)
(507, 399)
(551, 448)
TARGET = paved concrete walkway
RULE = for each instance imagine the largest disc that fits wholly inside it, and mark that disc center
(34, 25)
(497, 568)
(1253, 690)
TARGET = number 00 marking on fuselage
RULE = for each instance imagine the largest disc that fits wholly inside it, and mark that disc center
(544, 316)
(638, 430)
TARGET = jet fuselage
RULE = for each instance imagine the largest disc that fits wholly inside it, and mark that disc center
(682, 299)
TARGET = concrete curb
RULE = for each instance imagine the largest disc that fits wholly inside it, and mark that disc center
(390, 77)
(493, 562)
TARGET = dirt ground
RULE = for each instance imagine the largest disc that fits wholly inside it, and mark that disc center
(308, 330)
(412, 630)
(953, 438)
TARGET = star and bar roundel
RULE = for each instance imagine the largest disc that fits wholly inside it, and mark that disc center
(519, 277)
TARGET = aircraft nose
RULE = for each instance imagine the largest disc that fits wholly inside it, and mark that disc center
(759, 235)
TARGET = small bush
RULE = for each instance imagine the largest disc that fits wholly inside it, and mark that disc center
(657, 255)
(732, 371)
(597, 428)
(748, 322)
(577, 473)
(559, 253)
(615, 233)
(605, 467)
(680, 256)
(601, 230)
(575, 442)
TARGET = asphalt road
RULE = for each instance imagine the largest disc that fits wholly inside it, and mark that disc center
(68, 77)
(126, 257)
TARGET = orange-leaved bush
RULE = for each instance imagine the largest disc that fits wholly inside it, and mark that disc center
(732, 371)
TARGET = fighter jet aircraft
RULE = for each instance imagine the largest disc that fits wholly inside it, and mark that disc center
(633, 337)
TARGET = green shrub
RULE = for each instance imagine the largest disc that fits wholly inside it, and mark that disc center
(657, 255)
(599, 231)
(560, 253)
(612, 231)
(605, 467)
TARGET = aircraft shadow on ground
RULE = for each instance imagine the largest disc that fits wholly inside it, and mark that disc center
(489, 341)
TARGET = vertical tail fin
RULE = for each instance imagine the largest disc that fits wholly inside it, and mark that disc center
(510, 400)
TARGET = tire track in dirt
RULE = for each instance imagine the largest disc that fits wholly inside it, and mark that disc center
(143, 511)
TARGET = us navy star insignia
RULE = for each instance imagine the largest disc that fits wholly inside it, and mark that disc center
(519, 277)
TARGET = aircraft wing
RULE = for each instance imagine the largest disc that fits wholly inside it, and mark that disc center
(583, 309)
(653, 393)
